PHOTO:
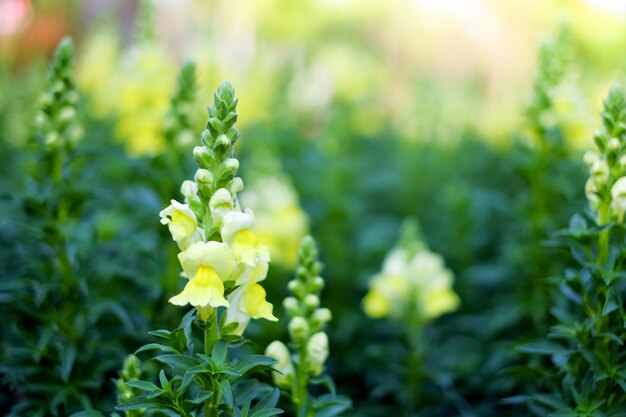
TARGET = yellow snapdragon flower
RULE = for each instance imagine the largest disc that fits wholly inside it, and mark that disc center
(208, 264)
(182, 223)
(418, 284)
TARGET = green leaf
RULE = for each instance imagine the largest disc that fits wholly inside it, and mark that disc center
(227, 392)
(67, 357)
(156, 346)
(268, 412)
(201, 397)
(541, 347)
(564, 413)
(269, 400)
(247, 363)
(609, 306)
(88, 413)
(164, 334)
(143, 385)
(220, 349)
(178, 361)
(139, 402)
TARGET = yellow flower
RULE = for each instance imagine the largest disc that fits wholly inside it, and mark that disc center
(245, 245)
(422, 282)
(618, 198)
(183, 225)
(246, 302)
(208, 264)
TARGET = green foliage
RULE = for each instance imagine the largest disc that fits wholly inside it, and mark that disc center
(308, 341)
(586, 343)
(194, 376)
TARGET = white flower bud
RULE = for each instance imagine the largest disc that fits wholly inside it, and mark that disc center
(613, 145)
(235, 185)
(622, 161)
(291, 305)
(590, 157)
(189, 189)
(204, 176)
(311, 302)
(283, 376)
(67, 113)
(221, 203)
(298, 329)
(618, 196)
(322, 315)
(599, 172)
(317, 351)
(232, 164)
(591, 191)
(222, 140)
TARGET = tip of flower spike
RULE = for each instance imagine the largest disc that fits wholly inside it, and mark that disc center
(226, 91)
(615, 97)
(65, 50)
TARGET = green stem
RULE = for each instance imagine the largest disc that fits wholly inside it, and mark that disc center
(210, 338)
(415, 361)
(299, 396)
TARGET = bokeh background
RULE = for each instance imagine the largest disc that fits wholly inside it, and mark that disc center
(354, 116)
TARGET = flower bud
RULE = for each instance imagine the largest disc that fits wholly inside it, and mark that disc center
(322, 315)
(613, 145)
(298, 329)
(317, 284)
(296, 287)
(221, 202)
(618, 196)
(204, 177)
(311, 302)
(599, 172)
(232, 164)
(203, 156)
(622, 161)
(291, 305)
(67, 113)
(189, 189)
(283, 375)
(317, 351)
(590, 157)
(591, 191)
(222, 140)
(235, 185)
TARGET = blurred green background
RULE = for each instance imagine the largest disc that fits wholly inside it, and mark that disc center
(354, 116)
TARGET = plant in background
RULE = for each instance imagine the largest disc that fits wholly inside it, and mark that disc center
(414, 287)
(588, 372)
(53, 353)
(281, 224)
(223, 263)
(297, 371)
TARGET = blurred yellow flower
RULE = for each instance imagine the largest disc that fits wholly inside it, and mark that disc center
(411, 284)
(280, 224)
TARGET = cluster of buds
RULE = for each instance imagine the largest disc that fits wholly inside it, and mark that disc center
(307, 321)
(414, 281)
(57, 118)
(130, 372)
(606, 187)
(220, 256)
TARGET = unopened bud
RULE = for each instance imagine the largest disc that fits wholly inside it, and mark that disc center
(613, 145)
(232, 164)
(298, 329)
(311, 302)
(283, 376)
(317, 351)
(203, 156)
(322, 315)
(235, 185)
(291, 305)
(189, 189)
(204, 176)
